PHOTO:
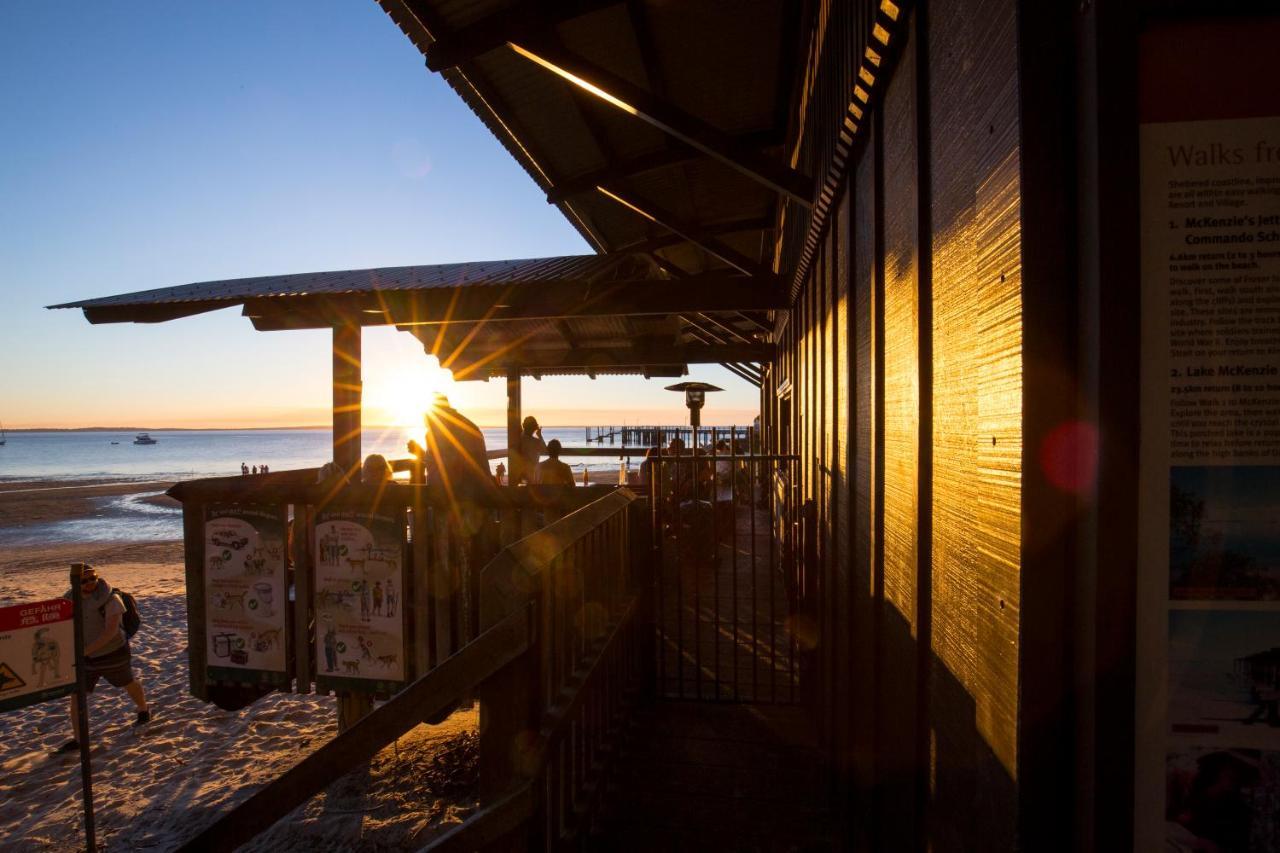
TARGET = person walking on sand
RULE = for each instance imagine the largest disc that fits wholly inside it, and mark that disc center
(244, 470)
(106, 649)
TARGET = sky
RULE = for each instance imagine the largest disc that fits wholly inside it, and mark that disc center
(148, 144)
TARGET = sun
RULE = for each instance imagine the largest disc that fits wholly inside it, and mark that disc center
(398, 398)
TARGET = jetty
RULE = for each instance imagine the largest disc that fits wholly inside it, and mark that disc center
(660, 436)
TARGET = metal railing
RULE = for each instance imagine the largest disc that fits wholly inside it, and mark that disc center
(729, 577)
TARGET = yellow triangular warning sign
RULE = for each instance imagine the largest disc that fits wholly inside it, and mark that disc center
(9, 680)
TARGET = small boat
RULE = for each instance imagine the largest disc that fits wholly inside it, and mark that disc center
(143, 438)
(3, 437)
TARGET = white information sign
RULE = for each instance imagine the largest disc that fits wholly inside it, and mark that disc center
(246, 594)
(37, 652)
(359, 595)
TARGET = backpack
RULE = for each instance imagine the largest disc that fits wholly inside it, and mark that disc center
(132, 619)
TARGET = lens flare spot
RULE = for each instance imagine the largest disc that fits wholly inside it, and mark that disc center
(1069, 456)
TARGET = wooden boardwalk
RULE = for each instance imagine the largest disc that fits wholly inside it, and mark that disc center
(717, 777)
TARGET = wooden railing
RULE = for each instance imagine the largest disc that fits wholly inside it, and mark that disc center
(441, 557)
(559, 658)
(551, 719)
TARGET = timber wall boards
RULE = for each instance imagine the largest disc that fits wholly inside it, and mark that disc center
(905, 350)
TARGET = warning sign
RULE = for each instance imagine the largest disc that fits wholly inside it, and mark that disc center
(9, 680)
(37, 652)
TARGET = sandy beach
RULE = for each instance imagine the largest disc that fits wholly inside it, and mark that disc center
(157, 786)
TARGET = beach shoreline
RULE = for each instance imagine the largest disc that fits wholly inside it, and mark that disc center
(156, 787)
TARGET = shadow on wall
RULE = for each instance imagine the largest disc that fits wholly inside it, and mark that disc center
(972, 799)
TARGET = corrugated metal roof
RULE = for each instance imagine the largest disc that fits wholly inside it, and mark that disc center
(728, 65)
(387, 280)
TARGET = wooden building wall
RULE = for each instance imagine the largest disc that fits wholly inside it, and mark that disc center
(905, 348)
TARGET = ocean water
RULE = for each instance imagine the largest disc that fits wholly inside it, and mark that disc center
(189, 454)
(61, 459)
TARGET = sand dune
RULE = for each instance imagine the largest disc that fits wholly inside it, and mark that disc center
(155, 787)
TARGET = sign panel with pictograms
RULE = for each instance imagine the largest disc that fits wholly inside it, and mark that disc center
(37, 652)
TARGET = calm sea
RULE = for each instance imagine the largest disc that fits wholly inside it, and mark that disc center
(62, 458)
(185, 454)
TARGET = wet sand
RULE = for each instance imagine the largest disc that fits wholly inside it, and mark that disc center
(34, 502)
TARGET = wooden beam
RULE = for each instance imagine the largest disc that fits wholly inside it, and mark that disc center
(736, 370)
(671, 268)
(562, 328)
(733, 226)
(763, 327)
(492, 32)
(711, 292)
(473, 363)
(703, 333)
(160, 313)
(728, 330)
(632, 99)
(691, 233)
(622, 169)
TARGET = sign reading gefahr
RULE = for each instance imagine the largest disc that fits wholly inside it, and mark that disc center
(37, 652)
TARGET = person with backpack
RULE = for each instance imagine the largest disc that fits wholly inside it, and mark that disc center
(110, 619)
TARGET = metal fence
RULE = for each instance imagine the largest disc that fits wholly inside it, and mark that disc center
(727, 575)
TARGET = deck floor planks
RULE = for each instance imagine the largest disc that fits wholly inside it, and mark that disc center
(707, 608)
(706, 776)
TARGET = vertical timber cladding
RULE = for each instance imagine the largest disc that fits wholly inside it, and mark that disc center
(842, 587)
(862, 264)
(897, 761)
(977, 416)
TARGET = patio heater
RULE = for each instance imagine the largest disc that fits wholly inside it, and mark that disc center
(695, 394)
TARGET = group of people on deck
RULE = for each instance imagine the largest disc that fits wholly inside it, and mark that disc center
(457, 459)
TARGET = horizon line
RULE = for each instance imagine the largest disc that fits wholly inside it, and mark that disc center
(315, 427)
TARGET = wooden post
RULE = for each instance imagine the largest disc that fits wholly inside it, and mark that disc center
(347, 389)
(510, 700)
(512, 519)
(515, 462)
(193, 557)
(82, 708)
(303, 532)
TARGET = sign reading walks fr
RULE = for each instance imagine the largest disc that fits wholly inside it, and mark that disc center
(37, 652)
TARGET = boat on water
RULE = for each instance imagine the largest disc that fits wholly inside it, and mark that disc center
(3, 437)
(143, 438)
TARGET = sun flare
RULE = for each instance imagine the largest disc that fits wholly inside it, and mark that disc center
(400, 397)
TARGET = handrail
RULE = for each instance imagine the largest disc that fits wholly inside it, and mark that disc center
(561, 682)
(293, 490)
(513, 580)
(429, 695)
